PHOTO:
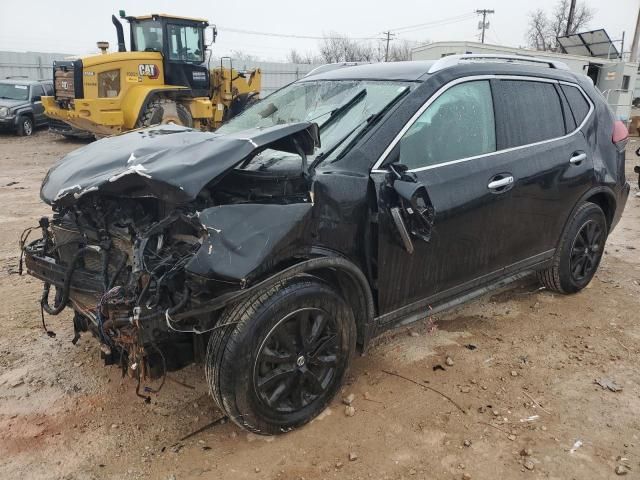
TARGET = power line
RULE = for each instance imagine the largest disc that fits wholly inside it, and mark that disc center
(484, 25)
(406, 29)
(287, 35)
(435, 23)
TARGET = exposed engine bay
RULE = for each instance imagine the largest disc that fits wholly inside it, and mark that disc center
(146, 271)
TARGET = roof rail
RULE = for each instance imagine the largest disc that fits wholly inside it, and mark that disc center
(452, 60)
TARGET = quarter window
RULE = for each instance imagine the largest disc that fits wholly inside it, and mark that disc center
(579, 105)
(458, 124)
(528, 112)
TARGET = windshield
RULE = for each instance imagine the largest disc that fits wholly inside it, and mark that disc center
(338, 107)
(14, 92)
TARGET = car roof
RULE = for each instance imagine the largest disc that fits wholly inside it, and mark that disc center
(408, 71)
(23, 81)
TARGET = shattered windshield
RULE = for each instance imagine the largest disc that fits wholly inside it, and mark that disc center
(339, 108)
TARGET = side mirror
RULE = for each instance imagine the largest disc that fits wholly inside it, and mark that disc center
(413, 211)
(417, 204)
(37, 98)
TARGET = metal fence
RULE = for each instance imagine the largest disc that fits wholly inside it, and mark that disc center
(38, 65)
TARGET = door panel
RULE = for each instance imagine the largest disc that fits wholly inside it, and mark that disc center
(533, 121)
(492, 210)
(37, 92)
(467, 239)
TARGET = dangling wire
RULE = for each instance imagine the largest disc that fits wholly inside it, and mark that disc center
(50, 333)
(23, 240)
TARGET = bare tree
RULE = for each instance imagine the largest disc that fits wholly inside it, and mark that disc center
(296, 57)
(340, 48)
(582, 16)
(400, 50)
(538, 30)
(239, 55)
(543, 30)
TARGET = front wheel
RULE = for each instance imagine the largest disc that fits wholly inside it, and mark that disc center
(579, 253)
(162, 111)
(25, 126)
(283, 356)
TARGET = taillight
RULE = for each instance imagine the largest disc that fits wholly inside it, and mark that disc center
(620, 132)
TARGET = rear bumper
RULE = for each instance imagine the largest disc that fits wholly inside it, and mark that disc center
(101, 115)
(623, 195)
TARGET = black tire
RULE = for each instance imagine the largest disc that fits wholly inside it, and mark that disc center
(579, 252)
(25, 126)
(163, 111)
(239, 376)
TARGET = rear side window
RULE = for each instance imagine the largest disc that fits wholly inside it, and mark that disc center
(36, 93)
(48, 89)
(579, 105)
(527, 112)
(458, 124)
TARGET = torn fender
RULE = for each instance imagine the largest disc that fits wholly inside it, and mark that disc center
(168, 162)
(246, 239)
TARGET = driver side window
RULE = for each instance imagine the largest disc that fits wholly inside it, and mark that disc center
(458, 124)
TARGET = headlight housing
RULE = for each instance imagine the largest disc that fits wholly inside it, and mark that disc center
(4, 111)
(109, 84)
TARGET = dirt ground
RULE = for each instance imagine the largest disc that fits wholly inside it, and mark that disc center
(523, 366)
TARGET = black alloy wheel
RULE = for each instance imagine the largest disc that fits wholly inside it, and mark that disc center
(282, 355)
(586, 251)
(297, 360)
(579, 251)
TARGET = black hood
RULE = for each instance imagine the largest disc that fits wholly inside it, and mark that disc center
(168, 162)
(7, 102)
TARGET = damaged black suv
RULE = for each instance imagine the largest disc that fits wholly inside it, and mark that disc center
(351, 201)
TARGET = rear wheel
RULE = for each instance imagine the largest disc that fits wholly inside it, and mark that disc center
(579, 253)
(25, 126)
(161, 111)
(283, 357)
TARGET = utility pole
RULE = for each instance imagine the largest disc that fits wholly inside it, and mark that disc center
(386, 52)
(484, 25)
(634, 44)
(572, 12)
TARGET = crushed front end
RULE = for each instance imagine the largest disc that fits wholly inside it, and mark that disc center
(147, 245)
(120, 265)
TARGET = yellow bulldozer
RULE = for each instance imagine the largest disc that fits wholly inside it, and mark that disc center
(164, 78)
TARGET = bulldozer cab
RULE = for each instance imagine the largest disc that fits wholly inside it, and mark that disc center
(182, 45)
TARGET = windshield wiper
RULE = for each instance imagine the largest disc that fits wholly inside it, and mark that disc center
(338, 112)
(371, 120)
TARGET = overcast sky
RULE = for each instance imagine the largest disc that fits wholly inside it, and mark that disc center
(74, 26)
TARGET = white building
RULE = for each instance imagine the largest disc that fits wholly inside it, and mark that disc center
(616, 79)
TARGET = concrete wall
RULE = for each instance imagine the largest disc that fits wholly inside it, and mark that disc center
(33, 65)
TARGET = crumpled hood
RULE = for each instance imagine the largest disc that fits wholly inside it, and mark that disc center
(168, 162)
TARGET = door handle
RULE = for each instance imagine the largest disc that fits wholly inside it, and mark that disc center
(578, 158)
(500, 183)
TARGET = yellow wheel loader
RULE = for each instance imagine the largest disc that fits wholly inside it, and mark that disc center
(163, 79)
